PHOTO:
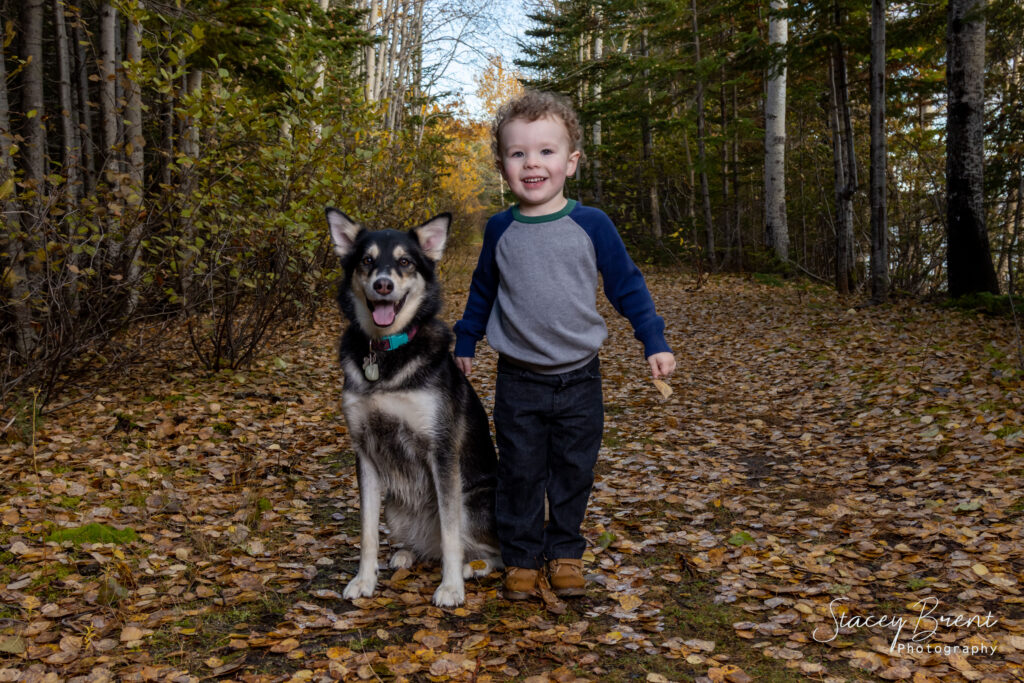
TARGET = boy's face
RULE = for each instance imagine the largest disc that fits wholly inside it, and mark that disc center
(536, 158)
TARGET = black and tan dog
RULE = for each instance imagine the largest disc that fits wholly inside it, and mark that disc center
(419, 430)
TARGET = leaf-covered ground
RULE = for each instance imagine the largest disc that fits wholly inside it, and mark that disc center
(816, 464)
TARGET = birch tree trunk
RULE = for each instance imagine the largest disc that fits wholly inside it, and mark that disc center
(776, 223)
(108, 90)
(878, 173)
(370, 52)
(701, 152)
(969, 258)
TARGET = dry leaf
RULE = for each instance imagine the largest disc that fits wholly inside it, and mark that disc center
(663, 387)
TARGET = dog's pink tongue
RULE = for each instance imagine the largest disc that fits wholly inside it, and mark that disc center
(384, 314)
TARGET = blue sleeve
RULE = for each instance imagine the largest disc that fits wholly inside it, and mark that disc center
(625, 287)
(482, 292)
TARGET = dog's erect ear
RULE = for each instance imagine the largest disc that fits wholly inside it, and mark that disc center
(433, 235)
(343, 231)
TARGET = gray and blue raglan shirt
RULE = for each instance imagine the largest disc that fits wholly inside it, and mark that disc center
(534, 290)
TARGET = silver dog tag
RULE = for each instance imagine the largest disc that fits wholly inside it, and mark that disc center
(370, 368)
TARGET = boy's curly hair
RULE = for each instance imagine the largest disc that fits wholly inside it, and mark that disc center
(533, 105)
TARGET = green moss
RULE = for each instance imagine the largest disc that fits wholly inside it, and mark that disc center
(93, 533)
(1008, 430)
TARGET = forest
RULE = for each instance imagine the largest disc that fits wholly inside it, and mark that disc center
(167, 161)
(826, 200)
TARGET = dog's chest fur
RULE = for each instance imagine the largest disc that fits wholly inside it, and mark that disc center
(397, 431)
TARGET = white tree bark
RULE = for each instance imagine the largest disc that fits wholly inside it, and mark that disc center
(776, 225)
(108, 89)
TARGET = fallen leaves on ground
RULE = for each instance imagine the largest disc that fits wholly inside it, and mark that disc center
(815, 466)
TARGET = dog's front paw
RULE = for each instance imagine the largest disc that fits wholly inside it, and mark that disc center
(403, 559)
(360, 587)
(482, 567)
(449, 595)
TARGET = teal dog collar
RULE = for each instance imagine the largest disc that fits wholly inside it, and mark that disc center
(393, 341)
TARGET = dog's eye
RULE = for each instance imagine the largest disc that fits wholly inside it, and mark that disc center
(367, 261)
(404, 262)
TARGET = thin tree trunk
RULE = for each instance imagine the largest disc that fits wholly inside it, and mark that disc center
(879, 162)
(33, 95)
(71, 135)
(189, 142)
(135, 144)
(701, 152)
(1018, 219)
(1009, 239)
(691, 213)
(108, 90)
(84, 109)
(370, 51)
(969, 258)
(845, 161)
(649, 174)
(843, 199)
(726, 199)
(776, 221)
(595, 160)
(736, 180)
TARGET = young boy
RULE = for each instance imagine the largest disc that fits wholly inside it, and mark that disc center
(534, 295)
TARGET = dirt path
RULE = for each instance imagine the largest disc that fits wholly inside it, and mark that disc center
(813, 459)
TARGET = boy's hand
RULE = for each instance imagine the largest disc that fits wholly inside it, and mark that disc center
(662, 364)
(466, 364)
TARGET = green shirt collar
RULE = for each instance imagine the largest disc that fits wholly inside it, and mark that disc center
(569, 206)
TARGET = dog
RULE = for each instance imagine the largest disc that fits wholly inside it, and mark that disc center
(422, 442)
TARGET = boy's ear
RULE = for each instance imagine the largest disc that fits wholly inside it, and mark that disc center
(433, 235)
(574, 160)
(343, 231)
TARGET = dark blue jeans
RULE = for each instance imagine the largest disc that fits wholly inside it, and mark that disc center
(548, 429)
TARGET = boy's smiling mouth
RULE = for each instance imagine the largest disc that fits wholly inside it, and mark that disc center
(533, 180)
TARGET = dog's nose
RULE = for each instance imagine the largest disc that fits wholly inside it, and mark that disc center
(383, 286)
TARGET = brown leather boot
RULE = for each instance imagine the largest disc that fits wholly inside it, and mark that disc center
(521, 583)
(566, 577)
